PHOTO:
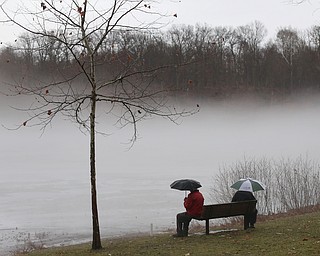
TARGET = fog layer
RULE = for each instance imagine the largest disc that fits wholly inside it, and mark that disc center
(44, 184)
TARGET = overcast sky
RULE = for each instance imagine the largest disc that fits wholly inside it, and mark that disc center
(272, 13)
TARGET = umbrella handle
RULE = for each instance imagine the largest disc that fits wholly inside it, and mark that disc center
(185, 193)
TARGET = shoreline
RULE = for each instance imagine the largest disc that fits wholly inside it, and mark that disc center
(22, 240)
(15, 239)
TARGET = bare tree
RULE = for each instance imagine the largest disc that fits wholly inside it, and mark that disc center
(181, 39)
(288, 44)
(82, 28)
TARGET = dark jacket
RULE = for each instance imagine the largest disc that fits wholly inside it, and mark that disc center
(194, 203)
(243, 196)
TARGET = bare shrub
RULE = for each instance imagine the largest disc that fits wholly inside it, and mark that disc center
(290, 183)
(30, 243)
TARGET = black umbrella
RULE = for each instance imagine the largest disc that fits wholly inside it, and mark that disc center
(185, 184)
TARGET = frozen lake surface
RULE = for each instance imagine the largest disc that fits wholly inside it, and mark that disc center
(44, 180)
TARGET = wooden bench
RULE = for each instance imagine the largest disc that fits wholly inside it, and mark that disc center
(215, 211)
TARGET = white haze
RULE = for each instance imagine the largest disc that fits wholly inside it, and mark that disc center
(44, 180)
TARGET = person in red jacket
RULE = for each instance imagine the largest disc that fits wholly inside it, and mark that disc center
(193, 204)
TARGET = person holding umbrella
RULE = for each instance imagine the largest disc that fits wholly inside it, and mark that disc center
(246, 187)
(193, 204)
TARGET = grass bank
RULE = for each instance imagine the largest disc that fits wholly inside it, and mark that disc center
(289, 235)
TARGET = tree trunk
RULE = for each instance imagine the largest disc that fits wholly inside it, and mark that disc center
(96, 240)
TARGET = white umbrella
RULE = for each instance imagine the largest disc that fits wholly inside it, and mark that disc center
(248, 184)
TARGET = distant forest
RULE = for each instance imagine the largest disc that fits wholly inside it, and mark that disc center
(201, 60)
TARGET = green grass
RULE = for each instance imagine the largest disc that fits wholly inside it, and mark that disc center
(294, 235)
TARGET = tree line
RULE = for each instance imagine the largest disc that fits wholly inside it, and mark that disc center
(200, 60)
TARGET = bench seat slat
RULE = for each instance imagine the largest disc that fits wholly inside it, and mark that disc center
(232, 209)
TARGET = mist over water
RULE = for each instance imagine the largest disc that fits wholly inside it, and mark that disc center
(44, 180)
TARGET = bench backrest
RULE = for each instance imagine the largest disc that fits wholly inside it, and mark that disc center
(228, 209)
